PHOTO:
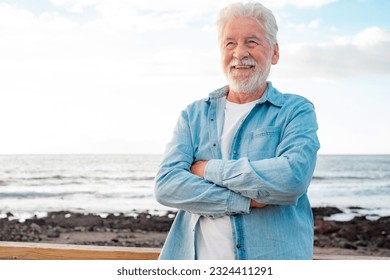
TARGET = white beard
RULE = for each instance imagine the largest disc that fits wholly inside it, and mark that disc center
(251, 84)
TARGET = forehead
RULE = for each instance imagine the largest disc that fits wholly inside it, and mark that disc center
(243, 27)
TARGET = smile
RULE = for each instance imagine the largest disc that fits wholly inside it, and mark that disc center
(242, 66)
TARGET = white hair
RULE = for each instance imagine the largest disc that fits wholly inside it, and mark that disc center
(256, 11)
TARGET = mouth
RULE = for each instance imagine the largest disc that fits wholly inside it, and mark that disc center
(242, 66)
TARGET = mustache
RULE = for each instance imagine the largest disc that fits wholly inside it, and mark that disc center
(242, 62)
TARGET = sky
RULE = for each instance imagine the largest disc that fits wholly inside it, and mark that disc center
(95, 76)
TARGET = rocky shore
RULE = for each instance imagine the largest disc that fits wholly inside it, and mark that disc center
(359, 235)
(362, 235)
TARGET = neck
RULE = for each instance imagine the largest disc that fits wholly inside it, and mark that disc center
(246, 97)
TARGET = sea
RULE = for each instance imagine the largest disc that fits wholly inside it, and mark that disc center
(33, 185)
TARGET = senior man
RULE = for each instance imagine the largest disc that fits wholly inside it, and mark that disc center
(240, 161)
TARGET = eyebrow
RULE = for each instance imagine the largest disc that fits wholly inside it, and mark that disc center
(246, 38)
(228, 39)
(254, 37)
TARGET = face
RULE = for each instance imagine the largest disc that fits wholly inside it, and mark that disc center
(246, 55)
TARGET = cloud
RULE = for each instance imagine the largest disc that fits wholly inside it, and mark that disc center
(157, 14)
(126, 35)
(366, 53)
(370, 37)
(298, 3)
(74, 6)
(144, 15)
(50, 46)
(314, 24)
(302, 27)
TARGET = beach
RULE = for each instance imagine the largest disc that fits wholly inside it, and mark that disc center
(78, 199)
(359, 236)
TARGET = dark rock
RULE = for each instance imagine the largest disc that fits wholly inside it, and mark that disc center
(320, 212)
(35, 227)
(349, 246)
(325, 227)
(68, 220)
(39, 222)
(355, 208)
(52, 233)
(385, 244)
(384, 220)
(361, 244)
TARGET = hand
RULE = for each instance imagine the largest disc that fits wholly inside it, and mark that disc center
(198, 167)
(255, 204)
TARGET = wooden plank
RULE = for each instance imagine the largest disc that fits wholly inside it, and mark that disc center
(347, 257)
(343, 254)
(39, 251)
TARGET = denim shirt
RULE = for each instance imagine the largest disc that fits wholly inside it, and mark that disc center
(272, 160)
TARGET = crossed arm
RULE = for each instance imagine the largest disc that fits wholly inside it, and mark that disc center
(229, 187)
(198, 168)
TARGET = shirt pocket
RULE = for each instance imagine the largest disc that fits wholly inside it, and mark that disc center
(263, 143)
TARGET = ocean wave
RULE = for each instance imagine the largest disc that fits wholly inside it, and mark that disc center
(385, 191)
(350, 177)
(32, 195)
(70, 180)
(118, 183)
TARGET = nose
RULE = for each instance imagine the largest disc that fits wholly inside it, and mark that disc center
(241, 51)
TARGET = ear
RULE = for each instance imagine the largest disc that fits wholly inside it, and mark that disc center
(275, 55)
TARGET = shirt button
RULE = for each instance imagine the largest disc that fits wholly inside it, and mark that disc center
(238, 246)
(214, 145)
(234, 152)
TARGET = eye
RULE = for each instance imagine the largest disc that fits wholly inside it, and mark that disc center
(229, 44)
(252, 43)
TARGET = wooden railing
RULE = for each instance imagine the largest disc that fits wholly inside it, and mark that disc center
(39, 251)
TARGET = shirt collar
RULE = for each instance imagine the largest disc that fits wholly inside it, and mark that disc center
(271, 95)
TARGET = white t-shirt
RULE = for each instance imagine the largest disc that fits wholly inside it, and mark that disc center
(214, 239)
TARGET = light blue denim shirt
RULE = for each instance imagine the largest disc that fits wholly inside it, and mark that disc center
(272, 160)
